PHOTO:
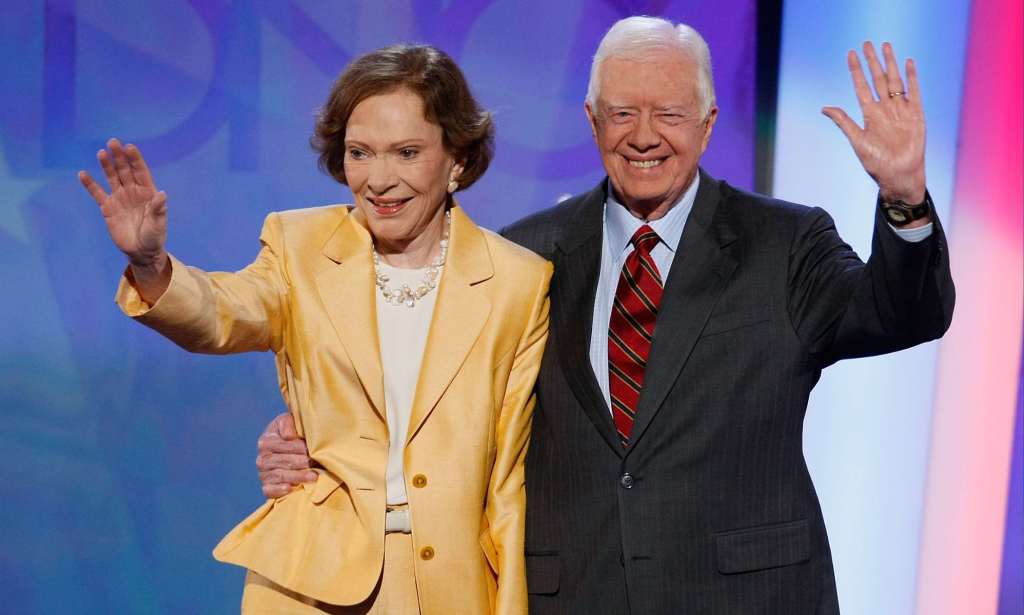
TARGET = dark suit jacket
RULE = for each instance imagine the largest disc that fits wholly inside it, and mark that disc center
(718, 513)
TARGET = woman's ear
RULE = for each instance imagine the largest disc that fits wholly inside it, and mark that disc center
(454, 175)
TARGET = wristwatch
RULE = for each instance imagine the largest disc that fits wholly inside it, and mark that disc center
(900, 214)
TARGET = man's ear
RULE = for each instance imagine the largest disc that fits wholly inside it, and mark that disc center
(709, 124)
(592, 118)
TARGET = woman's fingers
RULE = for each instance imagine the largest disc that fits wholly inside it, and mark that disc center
(139, 168)
(121, 167)
(93, 188)
(107, 164)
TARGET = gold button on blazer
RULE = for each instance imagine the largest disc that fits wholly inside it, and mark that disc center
(310, 298)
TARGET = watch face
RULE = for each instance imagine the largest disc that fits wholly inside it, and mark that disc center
(896, 216)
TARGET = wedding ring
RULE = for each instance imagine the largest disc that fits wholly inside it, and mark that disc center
(895, 94)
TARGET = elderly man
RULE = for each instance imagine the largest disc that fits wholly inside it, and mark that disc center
(690, 321)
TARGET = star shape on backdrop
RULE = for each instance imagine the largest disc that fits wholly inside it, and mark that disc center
(16, 192)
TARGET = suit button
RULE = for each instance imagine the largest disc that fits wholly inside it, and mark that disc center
(427, 553)
(626, 481)
(419, 481)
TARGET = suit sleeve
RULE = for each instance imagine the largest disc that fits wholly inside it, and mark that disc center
(219, 313)
(506, 493)
(842, 307)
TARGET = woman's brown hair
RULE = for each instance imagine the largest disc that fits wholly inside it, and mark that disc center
(436, 79)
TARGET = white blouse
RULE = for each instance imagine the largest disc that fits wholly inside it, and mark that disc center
(402, 331)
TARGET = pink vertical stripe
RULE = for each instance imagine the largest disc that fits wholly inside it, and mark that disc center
(972, 429)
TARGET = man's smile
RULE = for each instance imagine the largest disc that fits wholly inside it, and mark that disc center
(644, 164)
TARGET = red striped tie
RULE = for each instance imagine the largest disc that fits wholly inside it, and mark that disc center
(631, 328)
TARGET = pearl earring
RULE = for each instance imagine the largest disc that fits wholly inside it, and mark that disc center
(453, 186)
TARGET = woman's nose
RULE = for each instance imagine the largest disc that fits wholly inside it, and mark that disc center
(382, 176)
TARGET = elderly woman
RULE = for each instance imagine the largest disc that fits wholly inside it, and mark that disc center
(407, 342)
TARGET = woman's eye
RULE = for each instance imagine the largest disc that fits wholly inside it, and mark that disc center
(357, 154)
(407, 153)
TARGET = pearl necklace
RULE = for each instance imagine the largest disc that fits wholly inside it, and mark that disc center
(405, 295)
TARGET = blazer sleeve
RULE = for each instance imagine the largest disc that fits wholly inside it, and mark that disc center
(219, 313)
(842, 307)
(506, 492)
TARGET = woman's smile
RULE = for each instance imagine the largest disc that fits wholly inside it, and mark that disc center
(387, 207)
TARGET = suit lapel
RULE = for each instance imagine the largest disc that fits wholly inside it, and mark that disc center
(577, 267)
(347, 291)
(459, 315)
(700, 272)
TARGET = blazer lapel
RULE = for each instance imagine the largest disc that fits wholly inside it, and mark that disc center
(459, 315)
(700, 272)
(347, 291)
(577, 267)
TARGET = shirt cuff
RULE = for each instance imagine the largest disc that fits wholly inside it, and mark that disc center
(914, 235)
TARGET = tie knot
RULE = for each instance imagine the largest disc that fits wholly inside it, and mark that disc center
(644, 239)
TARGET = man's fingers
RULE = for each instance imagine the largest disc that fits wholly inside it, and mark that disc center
(272, 430)
(276, 491)
(860, 83)
(892, 72)
(271, 445)
(877, 74)
(913, 86)
(286, 462)
(843, 121)
(286, 425)
(290, 477)
(92, 187)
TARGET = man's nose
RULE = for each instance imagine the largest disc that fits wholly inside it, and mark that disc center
(382, 176)
(644, 136)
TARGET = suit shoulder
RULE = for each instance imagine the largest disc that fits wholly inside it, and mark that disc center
(507, 254)
(761, 203)
(540, 231)
(758, 211)
(308, 224)
(312, 216)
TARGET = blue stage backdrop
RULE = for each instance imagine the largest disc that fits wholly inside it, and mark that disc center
(125, 458)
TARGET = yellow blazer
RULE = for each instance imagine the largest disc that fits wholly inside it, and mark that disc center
(310, 297)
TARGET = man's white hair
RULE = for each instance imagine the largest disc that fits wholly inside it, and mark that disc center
(636, 37)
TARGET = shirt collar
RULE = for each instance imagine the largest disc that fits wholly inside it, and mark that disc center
(620, 225)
